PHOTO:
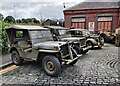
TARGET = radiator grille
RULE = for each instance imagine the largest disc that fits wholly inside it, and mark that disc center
(64, 50)
(82, 42)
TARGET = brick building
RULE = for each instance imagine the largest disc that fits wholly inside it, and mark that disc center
(94, 16)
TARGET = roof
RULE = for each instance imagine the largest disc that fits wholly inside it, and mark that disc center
(94, 5)
(55, 27)
(26, 27)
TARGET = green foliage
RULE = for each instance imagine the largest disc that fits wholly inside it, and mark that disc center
(28, 21)
(9, 19)
(3, 38)
(19, 34)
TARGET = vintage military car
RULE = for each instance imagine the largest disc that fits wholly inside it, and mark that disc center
(108, 36)
(117, 37)
(93, 40)
(60, 34)
(36, 43)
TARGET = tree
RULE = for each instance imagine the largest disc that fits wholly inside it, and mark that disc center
(23, 20)
(1, 17)
(42, 20)
(35, 20)
(3, 38)
(18, 21)
(30, 21)
(9, 19)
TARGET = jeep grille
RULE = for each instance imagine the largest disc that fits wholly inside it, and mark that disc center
(64, 50)
(82, 42)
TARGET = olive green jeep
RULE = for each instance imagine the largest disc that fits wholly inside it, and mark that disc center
(93, 40)
(60, 34)
(36, 43)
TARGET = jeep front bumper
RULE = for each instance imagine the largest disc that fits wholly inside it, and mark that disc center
(86, 48)
(68, 61)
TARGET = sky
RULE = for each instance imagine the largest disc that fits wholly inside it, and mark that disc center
(47, 9)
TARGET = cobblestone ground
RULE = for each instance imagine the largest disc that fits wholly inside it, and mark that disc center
(96, 68)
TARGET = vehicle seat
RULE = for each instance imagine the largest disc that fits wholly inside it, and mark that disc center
(24, 46)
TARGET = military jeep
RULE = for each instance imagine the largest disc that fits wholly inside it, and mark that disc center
(36, 43)
(93, 40)
(60, 34)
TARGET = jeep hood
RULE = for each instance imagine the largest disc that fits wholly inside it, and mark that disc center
(94, 36)
(71, 39)
(48, 45)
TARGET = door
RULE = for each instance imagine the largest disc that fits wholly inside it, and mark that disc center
(105, 23)
(105, 26)
(78, 22)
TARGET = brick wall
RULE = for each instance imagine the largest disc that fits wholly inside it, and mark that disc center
(119, 17)
(119, 13)
(116, 20)
(91, 16)
(67, 21)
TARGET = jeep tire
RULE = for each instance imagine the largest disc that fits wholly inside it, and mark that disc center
(51, 65)
(77, 49)
(89, 43)
(16, 58)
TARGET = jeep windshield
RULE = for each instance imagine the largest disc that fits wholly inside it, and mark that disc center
(58, 32)
(62, 32)
(80, 32)
(86, 33)
(40, 36)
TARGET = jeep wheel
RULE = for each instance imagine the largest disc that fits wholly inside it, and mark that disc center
(51, 65)
(90, 44)
(16, 58)
(78, 50)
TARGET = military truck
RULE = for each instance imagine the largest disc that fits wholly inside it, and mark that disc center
(93, 40)
(36, 43)
(60, 34)
(117, 37)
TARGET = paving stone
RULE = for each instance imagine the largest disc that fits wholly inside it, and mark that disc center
(96, 68)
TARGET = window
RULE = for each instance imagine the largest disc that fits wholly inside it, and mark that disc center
(35, 34)
(62, 32)
(19, 34)
(46, 33)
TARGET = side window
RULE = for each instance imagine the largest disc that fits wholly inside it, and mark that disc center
(79, 32)
(19, 34)
(72, 32)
